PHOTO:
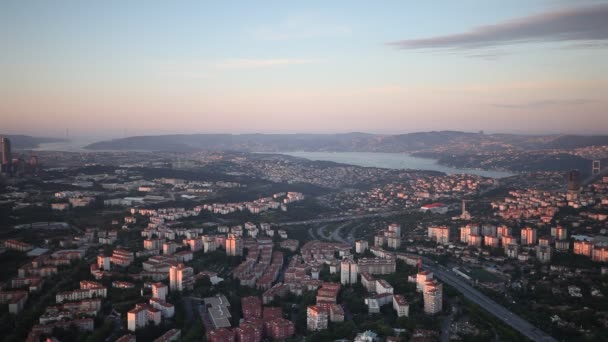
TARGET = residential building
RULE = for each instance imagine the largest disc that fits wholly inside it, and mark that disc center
(583, 248)
(181, 278)
(422, 278)
(234, 245)
(559, 233)
(440, 234)
(348, 272)
(104, 262)
(142, 315)
(475, 240)
(528, 236)
(251, 306)
(543, 253)
(159, 291)
(317, 318)
(361, 246)
(280, 329)
(490, 241)
(433, 297)
(401, 306)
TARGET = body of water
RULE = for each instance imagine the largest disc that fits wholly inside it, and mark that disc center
(391, 161)
(72, 145)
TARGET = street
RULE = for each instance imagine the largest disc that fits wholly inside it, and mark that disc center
(489, 305)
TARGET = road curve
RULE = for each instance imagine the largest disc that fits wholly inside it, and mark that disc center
(499, 311)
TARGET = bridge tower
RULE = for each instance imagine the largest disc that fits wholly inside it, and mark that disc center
(595, 167)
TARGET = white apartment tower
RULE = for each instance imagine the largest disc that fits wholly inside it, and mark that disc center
(234, 245)
(181, 278)
(348, 272)
(433, 297)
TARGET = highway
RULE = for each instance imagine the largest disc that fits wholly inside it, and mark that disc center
(342, 218)
(472, 294)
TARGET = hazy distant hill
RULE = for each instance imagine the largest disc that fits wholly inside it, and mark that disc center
(19, 142)
(240, 142)
(447, 141)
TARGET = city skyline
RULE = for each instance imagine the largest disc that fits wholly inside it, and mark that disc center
(119, 69)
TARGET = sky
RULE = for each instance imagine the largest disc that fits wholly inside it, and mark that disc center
(124, 68)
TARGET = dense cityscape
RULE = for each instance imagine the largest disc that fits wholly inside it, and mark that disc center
(303, 171)
(227, 246)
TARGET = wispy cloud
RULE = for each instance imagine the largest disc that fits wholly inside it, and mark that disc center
(589, 23)
(544, 103)
(302, 26)
(261, 63)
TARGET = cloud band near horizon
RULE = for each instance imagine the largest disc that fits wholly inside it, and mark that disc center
(588, 23)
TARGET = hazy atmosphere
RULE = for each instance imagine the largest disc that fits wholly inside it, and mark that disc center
(303, 171)
(119, 68)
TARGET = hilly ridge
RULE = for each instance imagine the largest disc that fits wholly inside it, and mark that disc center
(446, 141)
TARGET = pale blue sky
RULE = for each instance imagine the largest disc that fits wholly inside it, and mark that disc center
(317, 66)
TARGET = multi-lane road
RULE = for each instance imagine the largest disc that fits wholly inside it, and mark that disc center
(343, 218)
(447, 276)
(516, 322)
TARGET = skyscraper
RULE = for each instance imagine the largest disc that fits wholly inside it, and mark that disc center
(7, 157)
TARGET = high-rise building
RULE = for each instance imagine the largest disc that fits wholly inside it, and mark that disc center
(280, 328)
(574, 180)
(512, 250)
(562, 245)
(440, 234)
(583, 248)
(7, 157)
(348, 272)
(395, 228)
(502, 231)
(528, 236)
(490, 241)
(475, 240)
(159, 291)
(543, 253)
(401, 306)
(600, 254)
(181, 278)
(393, 240)
(252, 307)
(234, 245)
(361, 246)
(422, 278)
(103, 262)
(559, 232)
(433, 297)
(468, 230)
(379, 240)
(508, 239)
(544, 241)
(317, 318)
(209, 243)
